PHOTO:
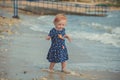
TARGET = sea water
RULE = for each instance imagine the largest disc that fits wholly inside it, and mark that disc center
(96, 37)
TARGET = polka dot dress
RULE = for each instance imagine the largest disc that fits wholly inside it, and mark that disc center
(58, 51)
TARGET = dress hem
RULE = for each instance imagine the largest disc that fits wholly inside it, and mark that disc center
(59, 61)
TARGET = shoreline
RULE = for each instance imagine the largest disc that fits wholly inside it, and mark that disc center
(25, 12)
(23, 56)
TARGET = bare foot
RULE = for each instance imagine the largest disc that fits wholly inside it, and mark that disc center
(50, 70)
(66, 71)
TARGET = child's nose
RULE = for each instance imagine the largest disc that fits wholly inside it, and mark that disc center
(60, 25)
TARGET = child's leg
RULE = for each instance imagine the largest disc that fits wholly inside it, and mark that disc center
(51, 65)
(63, 64)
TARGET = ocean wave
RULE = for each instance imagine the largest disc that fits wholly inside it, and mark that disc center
(108, 34)
(37, 28)
(100, 26)
(47, 18)
(95, 25)
(41, 17)
(109, 29)
(116, 30)
(105, 38)
(111, 15)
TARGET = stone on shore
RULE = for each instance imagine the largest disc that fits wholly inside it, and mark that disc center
(6, 24)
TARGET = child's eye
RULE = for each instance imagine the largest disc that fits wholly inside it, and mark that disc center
(63, 24)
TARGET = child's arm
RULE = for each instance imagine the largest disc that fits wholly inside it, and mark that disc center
(48, 38)
(69, 39)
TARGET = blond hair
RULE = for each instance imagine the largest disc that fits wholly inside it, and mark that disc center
(59, 17)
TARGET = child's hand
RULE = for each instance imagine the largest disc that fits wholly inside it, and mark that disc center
(48, 38)
(69, 39)
(60, 36)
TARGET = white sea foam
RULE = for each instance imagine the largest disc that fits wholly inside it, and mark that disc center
(97, 26)
(111, 35)
(116, 30)
(36, 28)
(105, 38)
(110, 15)
(113, 14)
(42, 17)
(101, 26)
(109, 29)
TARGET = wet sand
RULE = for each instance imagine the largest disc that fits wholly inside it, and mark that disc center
(23, 57)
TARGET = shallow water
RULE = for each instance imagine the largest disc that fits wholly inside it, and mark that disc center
(96, 37)
(95, 47)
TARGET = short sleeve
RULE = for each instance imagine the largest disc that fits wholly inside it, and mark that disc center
(51, 33)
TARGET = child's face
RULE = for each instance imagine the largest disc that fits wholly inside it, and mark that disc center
(60, 25)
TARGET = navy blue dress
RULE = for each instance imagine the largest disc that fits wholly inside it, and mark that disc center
(58, 51)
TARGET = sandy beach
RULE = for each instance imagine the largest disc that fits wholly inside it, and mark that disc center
(23, 56)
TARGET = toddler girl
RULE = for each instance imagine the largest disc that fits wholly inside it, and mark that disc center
(58, 51)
